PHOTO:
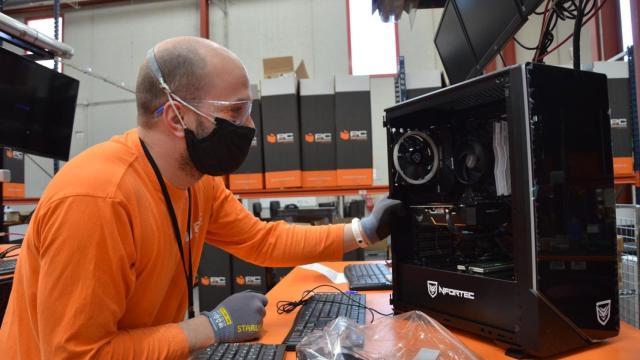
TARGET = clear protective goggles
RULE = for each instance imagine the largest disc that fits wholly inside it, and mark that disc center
(236, 112)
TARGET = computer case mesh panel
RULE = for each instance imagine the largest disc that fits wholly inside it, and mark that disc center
(509, 232)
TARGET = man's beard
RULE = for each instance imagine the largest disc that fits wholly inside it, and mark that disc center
(186, 165)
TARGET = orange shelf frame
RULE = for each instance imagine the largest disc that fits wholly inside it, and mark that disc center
(20, 201)
(302, 192)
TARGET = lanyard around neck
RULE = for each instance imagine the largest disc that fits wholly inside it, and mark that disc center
(188, 274)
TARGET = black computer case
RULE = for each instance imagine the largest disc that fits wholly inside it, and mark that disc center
(510, 228)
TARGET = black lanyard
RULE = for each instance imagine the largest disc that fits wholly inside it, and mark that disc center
(176, 228)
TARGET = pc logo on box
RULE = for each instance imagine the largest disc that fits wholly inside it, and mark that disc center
(603, 311)
(432, 286)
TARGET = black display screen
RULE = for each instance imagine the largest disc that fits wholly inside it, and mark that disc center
(489, 24)
(457, 56)
(472, 32)
(37, 107)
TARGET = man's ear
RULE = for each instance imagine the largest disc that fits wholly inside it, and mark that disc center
(171, 119)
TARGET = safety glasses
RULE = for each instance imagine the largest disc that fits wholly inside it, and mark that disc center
(236, 112)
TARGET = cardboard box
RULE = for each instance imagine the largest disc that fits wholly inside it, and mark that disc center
(353, 130)
(250, 176)
(281, 133)
(281, 66)
(247, 276)
(423, 82)
(214, 274)
(317, 129)
(13, 160)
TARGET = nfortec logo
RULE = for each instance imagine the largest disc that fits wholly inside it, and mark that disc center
(603, 311)
(433, 288)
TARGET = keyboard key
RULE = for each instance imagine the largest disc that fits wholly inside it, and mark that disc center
(249, 351)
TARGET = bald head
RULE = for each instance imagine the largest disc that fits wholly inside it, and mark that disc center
(193, 68)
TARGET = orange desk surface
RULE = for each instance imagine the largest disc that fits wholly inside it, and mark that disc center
(276, 327)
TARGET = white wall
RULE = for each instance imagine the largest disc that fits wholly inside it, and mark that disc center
(113, 40)
(310, 30)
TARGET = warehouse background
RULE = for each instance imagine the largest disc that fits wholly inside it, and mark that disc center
(113, 40)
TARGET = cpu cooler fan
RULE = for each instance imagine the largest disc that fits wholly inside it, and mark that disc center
(415, 157)
(471, 162)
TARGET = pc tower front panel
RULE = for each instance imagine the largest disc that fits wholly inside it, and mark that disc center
(510, 227)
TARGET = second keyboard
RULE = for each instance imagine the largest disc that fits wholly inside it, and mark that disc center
(321, 309)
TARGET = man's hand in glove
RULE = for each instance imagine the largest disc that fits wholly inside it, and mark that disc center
(238, 318)
(377, 225)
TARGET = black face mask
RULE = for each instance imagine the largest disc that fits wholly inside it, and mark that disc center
(222, 151)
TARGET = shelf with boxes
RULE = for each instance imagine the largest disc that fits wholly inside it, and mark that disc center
(310, 133)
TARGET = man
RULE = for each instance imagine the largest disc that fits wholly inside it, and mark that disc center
(106, 266)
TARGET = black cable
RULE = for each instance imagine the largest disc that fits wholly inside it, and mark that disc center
(504, 63)
(524, 46)
(561, 10)
(593, 13)
(285, 307)
(6, 251)
(541, 12)
(577, 28)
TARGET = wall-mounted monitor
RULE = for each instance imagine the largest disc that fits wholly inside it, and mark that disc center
(37, 107)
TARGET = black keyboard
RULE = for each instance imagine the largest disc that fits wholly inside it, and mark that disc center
(7, 266)
(250, 351)
(368, 277)
(321, 309)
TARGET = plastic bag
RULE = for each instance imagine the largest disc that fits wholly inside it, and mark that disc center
(409, 336)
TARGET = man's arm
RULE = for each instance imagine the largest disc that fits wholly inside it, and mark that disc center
(348, 239)
(234, 229)
(87, 271)
(199, 333)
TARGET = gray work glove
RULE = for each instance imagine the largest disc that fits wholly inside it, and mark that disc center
(377, 225)
(238, 317)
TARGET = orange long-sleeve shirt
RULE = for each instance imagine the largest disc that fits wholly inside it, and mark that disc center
(99, 273)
